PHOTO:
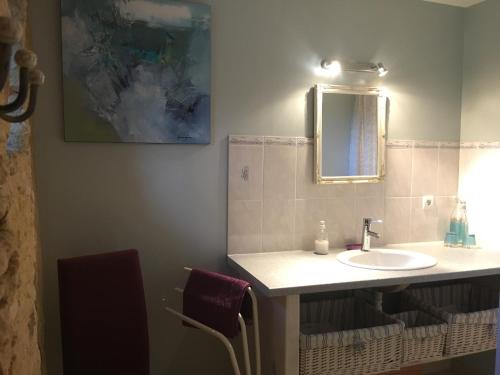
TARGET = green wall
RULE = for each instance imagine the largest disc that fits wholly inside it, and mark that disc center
(169, 201)
(481, 82)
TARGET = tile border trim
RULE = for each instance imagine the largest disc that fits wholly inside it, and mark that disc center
(426, 144)
(396, 143)
(285, 141)
(448, 144)
(304, 141)
(391, 143)
(268, 140)
(246, 140)
(489, 145)
(480, 145)
(399, 143)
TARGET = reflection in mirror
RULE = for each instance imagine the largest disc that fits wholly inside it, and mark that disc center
(350, 130)
(349, 135)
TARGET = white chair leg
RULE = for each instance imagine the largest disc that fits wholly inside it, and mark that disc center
(213, 332)
(244, 339)
(255, 313)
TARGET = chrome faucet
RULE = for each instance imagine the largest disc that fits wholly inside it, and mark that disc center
(367, 233)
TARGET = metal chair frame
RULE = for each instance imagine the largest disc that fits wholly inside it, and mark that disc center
(225, 340)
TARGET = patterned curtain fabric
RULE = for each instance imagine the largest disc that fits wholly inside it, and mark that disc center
(363, 144)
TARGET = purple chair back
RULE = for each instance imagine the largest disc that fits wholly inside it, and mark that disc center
(103, 315)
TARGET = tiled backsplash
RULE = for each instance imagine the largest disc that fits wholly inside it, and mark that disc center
(274, 205)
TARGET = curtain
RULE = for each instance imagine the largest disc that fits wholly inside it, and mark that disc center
(363, 138)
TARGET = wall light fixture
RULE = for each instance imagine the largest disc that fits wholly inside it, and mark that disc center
(335, 67)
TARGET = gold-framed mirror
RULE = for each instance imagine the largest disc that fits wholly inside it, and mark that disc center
(350, 134)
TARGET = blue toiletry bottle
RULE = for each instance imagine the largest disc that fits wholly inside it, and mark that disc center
(459, 223)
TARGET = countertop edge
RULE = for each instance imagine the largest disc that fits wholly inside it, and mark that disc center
(261, 287)
(361, 284)
(280, 292)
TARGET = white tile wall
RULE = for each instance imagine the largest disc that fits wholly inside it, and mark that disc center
(274, 205)
(399, 167)
(425, 171)
(245, 226)
(246, 170)
(280, 159)
(278, 220)
(397, 219)
(341, 219)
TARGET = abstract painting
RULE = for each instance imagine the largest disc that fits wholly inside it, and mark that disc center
(136, 71)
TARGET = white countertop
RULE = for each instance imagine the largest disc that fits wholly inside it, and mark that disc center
(302, 272)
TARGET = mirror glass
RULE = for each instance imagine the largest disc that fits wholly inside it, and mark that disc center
(350, 134)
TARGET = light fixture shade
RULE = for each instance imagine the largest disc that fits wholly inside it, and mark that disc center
(382, 70)
(333, 66)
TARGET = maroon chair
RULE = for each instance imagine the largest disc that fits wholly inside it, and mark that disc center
(103, 315)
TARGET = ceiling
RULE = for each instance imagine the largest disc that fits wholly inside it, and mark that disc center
(457, 3)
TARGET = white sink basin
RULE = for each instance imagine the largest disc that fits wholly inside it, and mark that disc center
(387, 259)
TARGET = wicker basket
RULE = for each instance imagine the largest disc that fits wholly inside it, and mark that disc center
(423, 338)
(471, 313)
(347, 337)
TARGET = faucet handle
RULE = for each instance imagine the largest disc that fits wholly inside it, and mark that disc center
(368, 221)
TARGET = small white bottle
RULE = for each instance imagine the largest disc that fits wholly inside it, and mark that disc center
(321, 244)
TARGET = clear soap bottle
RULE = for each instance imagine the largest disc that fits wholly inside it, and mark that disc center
(464, 224)
(459, 223)
(321, 244)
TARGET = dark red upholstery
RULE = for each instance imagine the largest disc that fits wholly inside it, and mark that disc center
(103, 315)
(216, 300)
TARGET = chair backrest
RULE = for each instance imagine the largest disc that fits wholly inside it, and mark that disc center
(103, 315)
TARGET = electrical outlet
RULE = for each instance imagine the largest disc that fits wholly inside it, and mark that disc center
(427, 201)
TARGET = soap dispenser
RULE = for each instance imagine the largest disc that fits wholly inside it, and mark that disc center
(321, 244)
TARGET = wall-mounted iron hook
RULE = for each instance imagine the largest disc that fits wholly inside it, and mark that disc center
(26, 60)
(36, 79)
(10, 33)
